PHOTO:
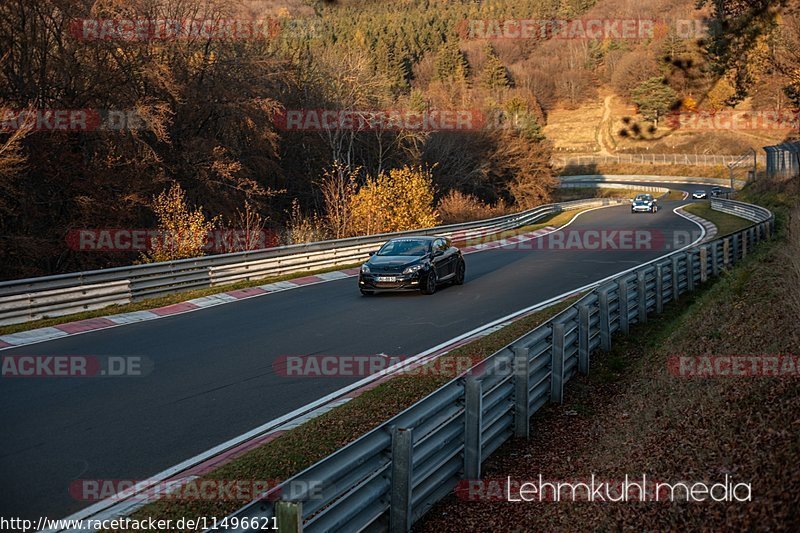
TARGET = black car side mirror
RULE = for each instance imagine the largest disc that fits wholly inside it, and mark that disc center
(437, 253)
(372, 253)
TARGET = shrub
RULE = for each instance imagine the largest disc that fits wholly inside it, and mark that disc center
(182, 232)
(456, 207)
(398, 200)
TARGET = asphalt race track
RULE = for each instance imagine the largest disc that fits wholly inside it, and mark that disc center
(213, 376)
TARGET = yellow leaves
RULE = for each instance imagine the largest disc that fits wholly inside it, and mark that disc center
(720, 94)
(182, 232)
(399, 200)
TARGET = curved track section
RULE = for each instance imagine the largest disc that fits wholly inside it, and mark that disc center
(214, 375)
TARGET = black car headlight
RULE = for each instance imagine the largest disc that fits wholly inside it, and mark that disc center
(412, 269)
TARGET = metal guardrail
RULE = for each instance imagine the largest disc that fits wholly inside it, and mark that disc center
(628, 178)
(656, 159)
(30, 299)
(749, 212)
(388, 478)
(617, 186)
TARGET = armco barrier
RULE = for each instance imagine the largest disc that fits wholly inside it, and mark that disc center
(388, 478)
(30, 299)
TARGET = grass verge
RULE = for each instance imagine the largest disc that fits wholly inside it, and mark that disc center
(633, 416)
(725, 223)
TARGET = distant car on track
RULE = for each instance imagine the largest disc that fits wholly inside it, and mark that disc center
(716, 191)
(644, 203)
(412, 263)
(699, 195)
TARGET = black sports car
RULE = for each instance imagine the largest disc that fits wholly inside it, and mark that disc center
(412, 263)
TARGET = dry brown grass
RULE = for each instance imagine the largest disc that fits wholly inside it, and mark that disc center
(575, 130)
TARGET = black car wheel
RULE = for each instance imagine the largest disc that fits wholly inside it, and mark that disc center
(461, 272)
(430, 283)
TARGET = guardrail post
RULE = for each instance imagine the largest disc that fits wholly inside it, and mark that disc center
(767, 229)
(745, 236)
(289, 516)
(659, 289)
(521, 392)
(584, 333)
(402, 469)
(715, 258)
(736, 246)
(703, 264)
(689, 271)
(622, 298)
(473, 415)
(675, 277)
(605, 320)
(557, 365)
(641, 287)
(726, 250)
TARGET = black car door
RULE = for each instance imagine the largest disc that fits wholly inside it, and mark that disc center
(452, 255)
(440, 259)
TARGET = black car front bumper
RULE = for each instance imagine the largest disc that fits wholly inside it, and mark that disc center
(401, 282)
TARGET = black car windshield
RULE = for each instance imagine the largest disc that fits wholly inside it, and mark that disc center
(404, 247)
(644, 198)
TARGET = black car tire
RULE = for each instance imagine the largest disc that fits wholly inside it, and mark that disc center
(461, 272)
(367, 293)
(430, 283)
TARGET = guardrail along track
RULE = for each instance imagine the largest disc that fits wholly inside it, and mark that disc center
(31, 299)
(390, 477)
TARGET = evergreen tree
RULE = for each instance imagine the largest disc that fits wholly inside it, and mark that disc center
(451, 64)
(494, 74)
(654, 98)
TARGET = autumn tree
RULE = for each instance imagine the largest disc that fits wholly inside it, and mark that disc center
(397, 200)
(338, 185)
(246, 231)
(182, 231)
